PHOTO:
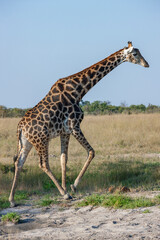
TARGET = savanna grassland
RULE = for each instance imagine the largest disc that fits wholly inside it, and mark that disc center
(127, 151)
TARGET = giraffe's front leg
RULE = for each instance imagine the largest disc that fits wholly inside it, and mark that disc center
(77, 133)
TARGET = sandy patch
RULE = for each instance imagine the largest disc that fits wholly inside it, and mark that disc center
(83, 223)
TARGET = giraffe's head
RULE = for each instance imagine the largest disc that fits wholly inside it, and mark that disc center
(133, 55)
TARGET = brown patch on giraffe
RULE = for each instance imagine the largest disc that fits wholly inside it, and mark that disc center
(48, 99)
(64, 100)
(96, 66)
(54, 90)
(69, 88)
(99, 76)
(104, 63)
(60, 86)
(84, 80)
(45, 103)
(56, 114)
(83, 92)
(41, 123)
(115, 64)
(45, 110)
(74, 94)
(112, 59)
(72, 115)
(88, 86)
(104, 73)
(111, 68)
(76, 80)
(79, 88)
(46, 117)
(51, 113)
(70, 109)
(101, 69)
(94, 81)
(31, 130)
(59, 106)
(55, 98)
(34, 122)
(27, 119)
(69, 97)
(91, 74)
(72, 83)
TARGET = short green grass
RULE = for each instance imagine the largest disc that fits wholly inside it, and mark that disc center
(47, 200)
(10, 217)
(118, 201)
(146, 211)
(4, 203)
(20, 197)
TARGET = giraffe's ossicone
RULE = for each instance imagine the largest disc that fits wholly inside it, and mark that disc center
(59, 114)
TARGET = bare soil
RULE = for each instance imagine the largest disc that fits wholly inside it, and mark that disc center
(67, 222)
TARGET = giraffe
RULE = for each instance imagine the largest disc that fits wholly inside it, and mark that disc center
(59, 114)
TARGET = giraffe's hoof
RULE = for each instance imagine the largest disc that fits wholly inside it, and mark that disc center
(73, 188)
(67, 196)
(12, 204)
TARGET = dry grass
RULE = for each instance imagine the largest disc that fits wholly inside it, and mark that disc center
(108, 135)
(124, 133)
(121, 143)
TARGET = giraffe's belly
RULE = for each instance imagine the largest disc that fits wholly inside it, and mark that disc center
(63, 128)
(53, 133)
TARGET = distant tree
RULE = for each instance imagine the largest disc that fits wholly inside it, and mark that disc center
(152, 108)
(123, 104)
(3, 111)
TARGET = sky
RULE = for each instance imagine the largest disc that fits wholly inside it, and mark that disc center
(44, 40)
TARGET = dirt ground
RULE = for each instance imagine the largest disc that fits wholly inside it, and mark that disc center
(88, 223)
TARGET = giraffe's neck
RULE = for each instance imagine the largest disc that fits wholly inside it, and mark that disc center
(74, 87)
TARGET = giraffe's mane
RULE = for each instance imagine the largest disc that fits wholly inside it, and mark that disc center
(73, 75)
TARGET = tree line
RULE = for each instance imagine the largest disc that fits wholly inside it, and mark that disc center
(11, 112)
(95, 108)
(105, 107)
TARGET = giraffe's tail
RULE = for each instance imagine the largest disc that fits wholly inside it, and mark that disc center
(19, 145)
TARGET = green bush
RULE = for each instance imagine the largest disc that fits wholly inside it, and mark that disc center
(10, 217)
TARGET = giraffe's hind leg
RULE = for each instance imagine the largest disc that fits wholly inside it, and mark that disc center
(44, 165)
(64, 157)
(24, 149)
(77, 133)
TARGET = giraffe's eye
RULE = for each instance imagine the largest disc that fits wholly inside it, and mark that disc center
(134, 54)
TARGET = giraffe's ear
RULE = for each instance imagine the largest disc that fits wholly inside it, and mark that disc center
(129, 44)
